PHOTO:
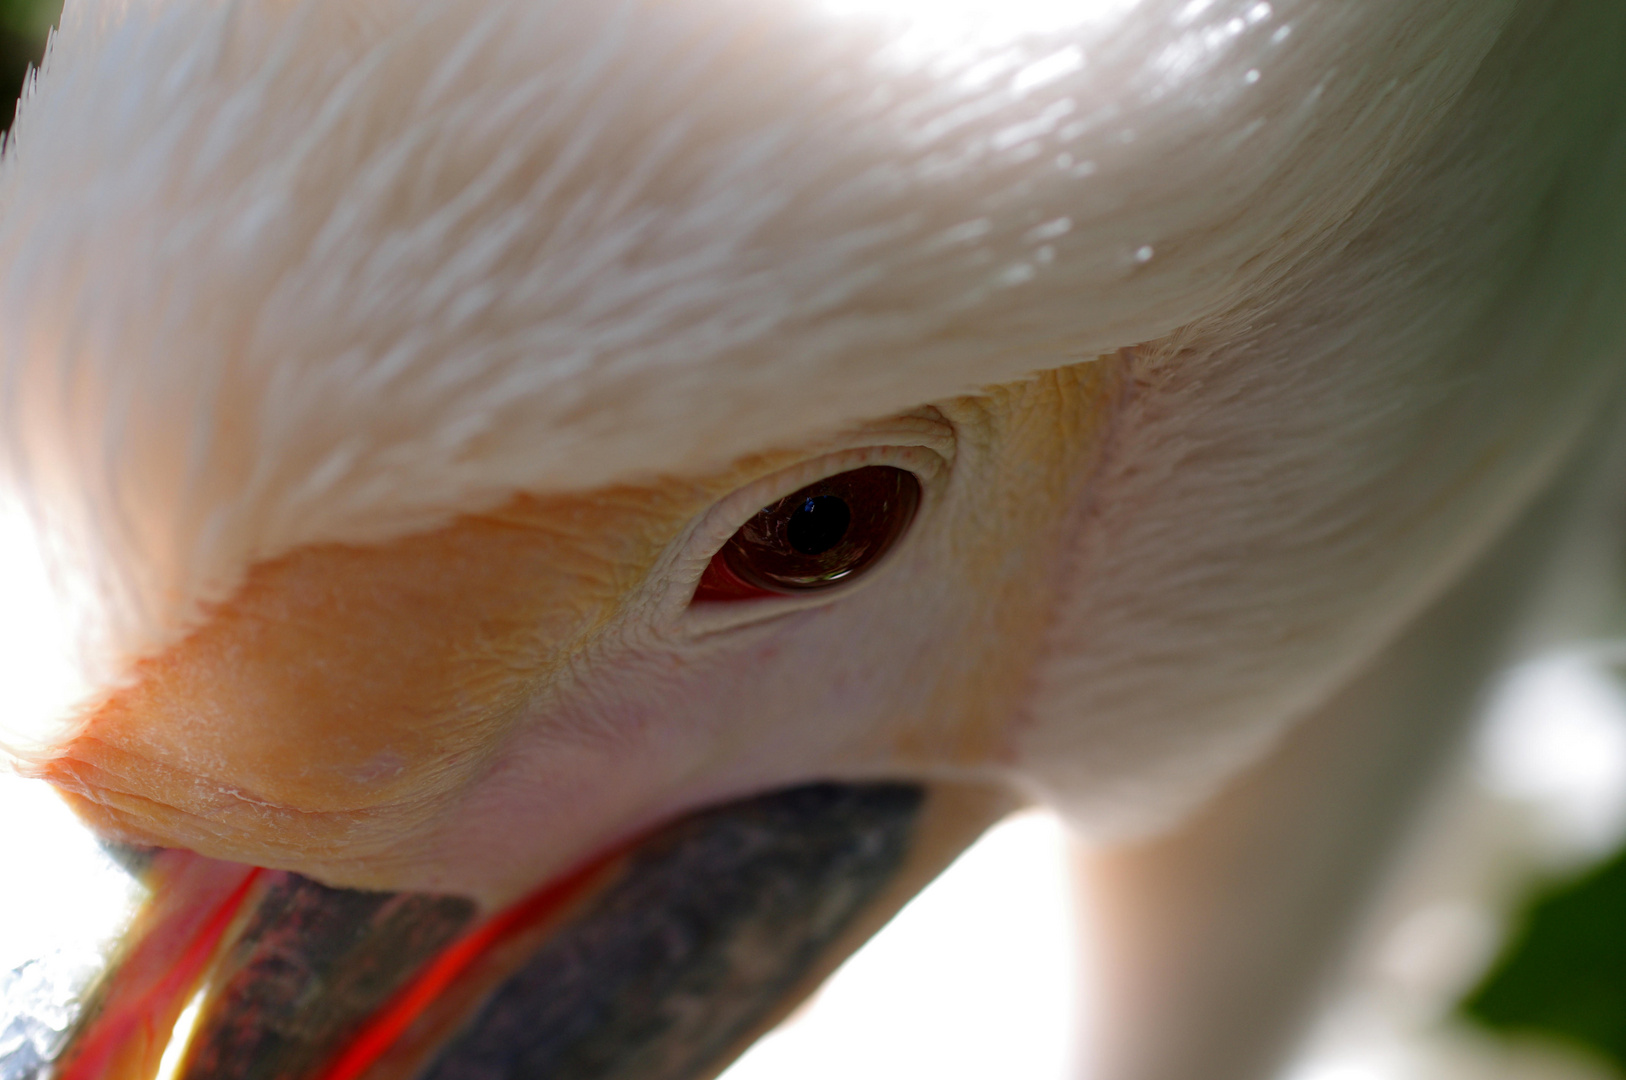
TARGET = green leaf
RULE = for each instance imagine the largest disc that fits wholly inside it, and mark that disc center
(29, 18)
(1562, 975)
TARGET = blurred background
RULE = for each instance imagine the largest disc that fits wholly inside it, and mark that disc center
(1498, 952)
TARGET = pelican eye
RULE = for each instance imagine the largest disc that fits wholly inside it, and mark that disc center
(823, 535)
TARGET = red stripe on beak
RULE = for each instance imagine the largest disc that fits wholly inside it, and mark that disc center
(393, 1020)
(196, 901)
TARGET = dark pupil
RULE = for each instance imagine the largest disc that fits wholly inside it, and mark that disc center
(818, 524)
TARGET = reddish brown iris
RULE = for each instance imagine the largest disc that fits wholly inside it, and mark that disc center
(822, 535)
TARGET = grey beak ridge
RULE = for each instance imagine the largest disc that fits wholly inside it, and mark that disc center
(714, 923)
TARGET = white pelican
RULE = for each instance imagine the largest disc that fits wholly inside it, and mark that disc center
(444, 444)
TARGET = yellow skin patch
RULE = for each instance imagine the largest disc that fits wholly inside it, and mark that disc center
(473, 708)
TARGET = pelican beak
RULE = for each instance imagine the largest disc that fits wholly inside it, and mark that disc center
(661, 959)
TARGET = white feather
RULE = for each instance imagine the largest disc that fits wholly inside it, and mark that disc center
(274, 274)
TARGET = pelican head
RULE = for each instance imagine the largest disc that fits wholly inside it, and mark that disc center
(484, 487)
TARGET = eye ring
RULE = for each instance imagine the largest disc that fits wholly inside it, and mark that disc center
(923, 445)
(818, 537)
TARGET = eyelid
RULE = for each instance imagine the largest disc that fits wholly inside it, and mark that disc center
(723, 520)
